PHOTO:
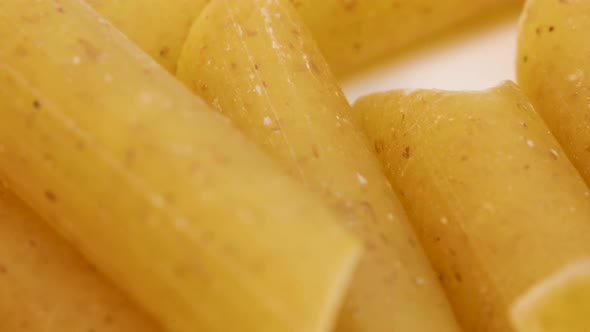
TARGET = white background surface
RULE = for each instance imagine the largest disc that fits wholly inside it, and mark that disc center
(473, 57)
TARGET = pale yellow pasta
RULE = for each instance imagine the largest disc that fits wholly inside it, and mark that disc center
(554, 71)
(163, 195)
(255, 61)
(353, 33)
(45, 285)
(158, 27)
(495, 200)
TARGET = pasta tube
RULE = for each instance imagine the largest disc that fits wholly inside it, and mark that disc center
(158, 27)
(554, 71)
(352, 33)
(254, 61)
(495, 201)
(349, 33)
(160, 193)
(46, 286)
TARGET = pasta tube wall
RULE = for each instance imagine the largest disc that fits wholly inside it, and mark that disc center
(46, 286)
(163, 195)
(553, 70)
(494, 199)
(158, 27)
(255, 62)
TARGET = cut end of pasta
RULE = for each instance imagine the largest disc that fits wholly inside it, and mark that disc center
(560, 303)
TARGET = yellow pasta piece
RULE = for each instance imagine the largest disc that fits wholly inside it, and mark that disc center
(158, 27)
(162, 194)
(46, 286)
(554, 71)
(560, 303)
(352, 33)
(256, 63)
(494, 199)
